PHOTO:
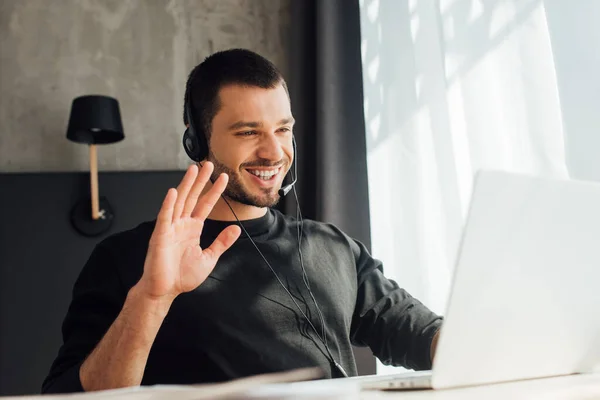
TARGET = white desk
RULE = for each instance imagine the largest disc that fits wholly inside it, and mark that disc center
(574, 387)
(568, 387)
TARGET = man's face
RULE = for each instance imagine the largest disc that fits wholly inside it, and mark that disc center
(251, 141)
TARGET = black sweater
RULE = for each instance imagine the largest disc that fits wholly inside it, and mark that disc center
(240, 321)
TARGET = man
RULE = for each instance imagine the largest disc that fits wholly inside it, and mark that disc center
(152, 306)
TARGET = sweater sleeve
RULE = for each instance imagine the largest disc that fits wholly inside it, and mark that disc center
(397, 327)
(97, 299)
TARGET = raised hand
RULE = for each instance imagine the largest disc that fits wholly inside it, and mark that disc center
(175, 263)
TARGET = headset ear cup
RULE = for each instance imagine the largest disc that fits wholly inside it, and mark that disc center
(190, 144)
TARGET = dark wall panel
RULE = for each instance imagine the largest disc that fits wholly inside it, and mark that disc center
(41, 256)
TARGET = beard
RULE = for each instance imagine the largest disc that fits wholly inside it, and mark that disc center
(235, 189)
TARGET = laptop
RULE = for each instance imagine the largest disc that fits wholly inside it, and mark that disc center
(525, 297)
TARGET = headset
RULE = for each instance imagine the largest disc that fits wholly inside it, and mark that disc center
(195, 144)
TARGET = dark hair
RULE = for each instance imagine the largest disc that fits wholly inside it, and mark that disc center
(235, 66)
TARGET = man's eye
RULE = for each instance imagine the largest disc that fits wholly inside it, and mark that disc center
(247, 133)
(285, 129)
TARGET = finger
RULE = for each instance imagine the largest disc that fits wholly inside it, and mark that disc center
(203, 177)
(183, 190)
(206, 203)
(165, 214)
(226, 238)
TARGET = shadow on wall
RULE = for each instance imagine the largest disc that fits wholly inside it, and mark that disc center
(405, 27)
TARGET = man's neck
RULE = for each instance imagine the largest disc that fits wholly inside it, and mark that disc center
(222, 212)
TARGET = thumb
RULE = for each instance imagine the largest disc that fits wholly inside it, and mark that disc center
(223, 242)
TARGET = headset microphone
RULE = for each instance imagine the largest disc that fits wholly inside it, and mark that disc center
(286, 189)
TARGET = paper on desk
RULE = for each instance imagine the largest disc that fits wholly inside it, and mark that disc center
(329, 389)
(249, 387)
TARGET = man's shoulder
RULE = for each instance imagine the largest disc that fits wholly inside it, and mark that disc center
(130, 240)
(314, 227)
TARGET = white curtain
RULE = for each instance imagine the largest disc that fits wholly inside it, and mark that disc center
(457, 85)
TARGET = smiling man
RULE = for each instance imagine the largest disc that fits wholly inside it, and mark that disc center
(255, 154)
(189, 298)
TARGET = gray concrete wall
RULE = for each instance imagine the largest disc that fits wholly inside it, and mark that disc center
(138, 51)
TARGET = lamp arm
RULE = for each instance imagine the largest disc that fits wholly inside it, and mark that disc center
(94, 182)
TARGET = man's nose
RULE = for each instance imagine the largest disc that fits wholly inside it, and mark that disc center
(270, 148)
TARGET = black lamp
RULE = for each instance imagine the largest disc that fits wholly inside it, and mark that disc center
(94, 120)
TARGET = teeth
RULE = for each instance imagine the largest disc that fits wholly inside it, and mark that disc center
(264, 174)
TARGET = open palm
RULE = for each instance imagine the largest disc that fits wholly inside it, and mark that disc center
(175, 262)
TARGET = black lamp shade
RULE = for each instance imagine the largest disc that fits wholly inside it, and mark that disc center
(95, 119)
